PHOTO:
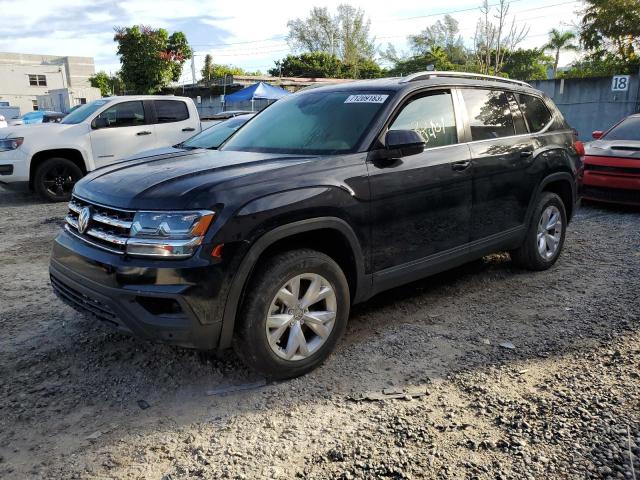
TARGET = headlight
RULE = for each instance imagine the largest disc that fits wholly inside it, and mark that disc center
(10, 143)
(168, 234)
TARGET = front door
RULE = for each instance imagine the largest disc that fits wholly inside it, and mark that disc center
(120, 131)
(501, 151)
(421, 204)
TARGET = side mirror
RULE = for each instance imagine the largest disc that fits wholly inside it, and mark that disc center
(597, 134)
(402, 143)
(99, 122)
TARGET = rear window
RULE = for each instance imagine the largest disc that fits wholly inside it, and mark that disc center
(489, 114)
(535, 112)
(628, 129)
(171, 111)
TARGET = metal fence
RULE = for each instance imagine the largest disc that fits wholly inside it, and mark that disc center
(591, 104)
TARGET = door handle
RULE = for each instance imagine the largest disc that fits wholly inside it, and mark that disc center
(144, 132)
(459, 166)
(526, 153)
(189, 129)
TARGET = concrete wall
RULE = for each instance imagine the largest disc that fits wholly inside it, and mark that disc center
(60, 72)
(588, 104)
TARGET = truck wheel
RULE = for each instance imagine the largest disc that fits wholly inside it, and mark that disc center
(295, 310)
(55, 178)
(545, 236)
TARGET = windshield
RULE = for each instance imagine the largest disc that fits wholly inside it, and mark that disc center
(311, 123)
(213, 136)
(80, 114)
(628, 129)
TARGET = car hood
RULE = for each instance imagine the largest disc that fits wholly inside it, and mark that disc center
(34, 129)
(613, 148)
(176, 179)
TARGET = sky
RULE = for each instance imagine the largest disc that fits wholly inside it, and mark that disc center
(249, 34)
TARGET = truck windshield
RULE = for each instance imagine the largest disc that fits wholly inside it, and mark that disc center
(315, 123)
(80, 114)
(628, 129)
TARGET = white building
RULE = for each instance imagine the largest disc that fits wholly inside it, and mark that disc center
(23, 77)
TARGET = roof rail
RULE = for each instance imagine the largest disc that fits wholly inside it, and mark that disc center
(431, 74)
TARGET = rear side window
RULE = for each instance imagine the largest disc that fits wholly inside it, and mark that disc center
(171, 111)
(489, 114)
(432, 116)
(535, 112)
(518, 118)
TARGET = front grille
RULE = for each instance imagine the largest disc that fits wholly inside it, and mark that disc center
(82, 302)
(108, 227)
(609, 169)
(612, 194)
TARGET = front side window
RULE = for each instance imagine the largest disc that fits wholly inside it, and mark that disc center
(313, 123)
(489, 114)
(38, 80)
(125, 114)
(535, 112)
(432, 116)
(171, 111)
(628, 129)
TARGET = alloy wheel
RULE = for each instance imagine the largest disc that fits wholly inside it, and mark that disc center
(549, 232)
(301, 317)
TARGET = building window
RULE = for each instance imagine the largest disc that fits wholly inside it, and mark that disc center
(82, 100)
(35, 105)
(38, 80)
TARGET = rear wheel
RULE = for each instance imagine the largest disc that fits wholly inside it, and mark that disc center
(545, 236)
(55, 178)
(295, 310)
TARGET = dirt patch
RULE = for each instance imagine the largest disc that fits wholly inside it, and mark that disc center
(80, 401)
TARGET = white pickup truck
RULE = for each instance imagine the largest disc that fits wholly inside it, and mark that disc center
(51, 157)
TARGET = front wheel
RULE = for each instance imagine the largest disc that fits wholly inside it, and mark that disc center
(545, 236)
(55, 178)
(295, 310)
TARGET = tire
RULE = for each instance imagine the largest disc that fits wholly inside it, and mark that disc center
(55, 178)
(272, 284)
(533, 255)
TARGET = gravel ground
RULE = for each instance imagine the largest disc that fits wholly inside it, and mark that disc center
(80, 401)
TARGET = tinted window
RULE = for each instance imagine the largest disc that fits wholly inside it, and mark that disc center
(213, 136)
(126, 114)
(311, 123)
(432, 117)
(171, 111)
(628, 129)
(489, 114)
(535, 111)
(518, 118)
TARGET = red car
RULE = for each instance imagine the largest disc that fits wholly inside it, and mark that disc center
(612, 164)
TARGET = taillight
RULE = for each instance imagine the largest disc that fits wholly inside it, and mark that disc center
(579, 146)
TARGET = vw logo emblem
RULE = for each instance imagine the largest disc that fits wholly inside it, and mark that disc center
(83, 219)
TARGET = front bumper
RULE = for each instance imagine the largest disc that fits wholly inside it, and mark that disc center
(611, 180)
(14, 166)
(176, 302)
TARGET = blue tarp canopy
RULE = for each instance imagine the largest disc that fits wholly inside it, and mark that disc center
(258, 91)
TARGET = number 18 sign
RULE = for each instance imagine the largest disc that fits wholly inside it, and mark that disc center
(620, 83)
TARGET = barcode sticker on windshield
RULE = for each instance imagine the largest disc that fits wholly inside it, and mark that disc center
(366, 98)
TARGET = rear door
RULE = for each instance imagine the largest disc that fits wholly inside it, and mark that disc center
(174, 124)
(421, 204)
(120, 131)
(501, 150)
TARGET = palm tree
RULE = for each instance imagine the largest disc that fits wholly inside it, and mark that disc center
(560, 41)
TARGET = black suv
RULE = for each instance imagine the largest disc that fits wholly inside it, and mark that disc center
(324, 199)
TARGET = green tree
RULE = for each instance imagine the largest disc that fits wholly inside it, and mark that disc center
(313, 64)
(600, 64)
(150, 59)
(445, 34)
(612, 27)
(344, 35)
(559, 41)
(526, 64)
(101, 80)
(434, 59)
